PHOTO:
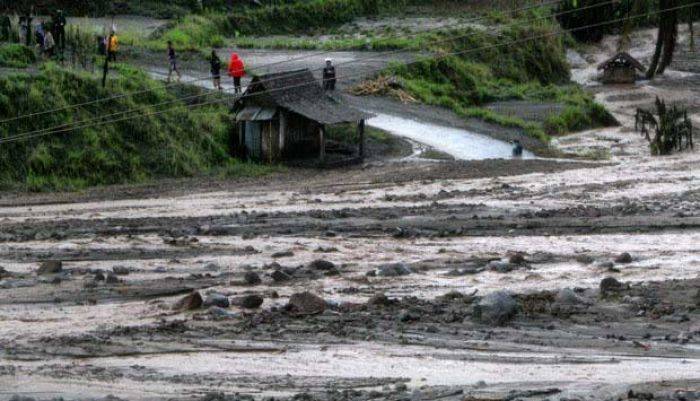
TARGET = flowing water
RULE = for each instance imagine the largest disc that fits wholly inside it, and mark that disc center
(459, 143)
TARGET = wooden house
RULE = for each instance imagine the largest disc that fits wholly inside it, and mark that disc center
(285, 116)
(620, 69)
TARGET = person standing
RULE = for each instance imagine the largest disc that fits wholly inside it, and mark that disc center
(59, 28)
(28, 27)
(172, 60)
(40, 35)
(49, 44)
(236, 70)
(517, 148)
(329, 77)
(5, 26)
(112, 46)
(216, 70)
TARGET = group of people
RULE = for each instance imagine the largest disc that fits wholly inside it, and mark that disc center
(236, 70)
(48, 36)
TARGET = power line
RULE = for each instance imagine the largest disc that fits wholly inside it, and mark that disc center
(38, 134)
(540, 5)
(374, 56)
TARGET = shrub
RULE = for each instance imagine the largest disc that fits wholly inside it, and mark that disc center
(16, 56)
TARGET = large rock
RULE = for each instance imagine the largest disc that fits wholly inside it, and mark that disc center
(624, 258)
(280, 277)
(306, 303)
(215, 299)
(253, 301)
(501, 267)
(252, 278)
(50, 267)
(609, 285)
(496, 308)
(322, 265)
(192, 301)
(394, 270)
(567, 296)
(121, 270)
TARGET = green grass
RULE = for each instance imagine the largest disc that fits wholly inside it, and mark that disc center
(16, 56)
(177, 143)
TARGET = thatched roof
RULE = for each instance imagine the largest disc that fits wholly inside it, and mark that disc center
(299, 92)
(622, 58)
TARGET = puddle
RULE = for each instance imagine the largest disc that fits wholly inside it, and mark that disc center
(459, 143)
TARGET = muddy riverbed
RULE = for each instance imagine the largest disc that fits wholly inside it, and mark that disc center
(395, 280)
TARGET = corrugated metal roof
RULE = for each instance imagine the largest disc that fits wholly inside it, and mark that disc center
(298, 92)
(253, 113)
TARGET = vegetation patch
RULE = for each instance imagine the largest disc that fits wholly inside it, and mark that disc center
(16, 56)
(180, 142)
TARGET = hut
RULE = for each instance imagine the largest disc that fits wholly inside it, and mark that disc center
(620, 69)
(285, 116)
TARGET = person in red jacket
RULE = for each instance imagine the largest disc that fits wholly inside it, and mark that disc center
(236, 70)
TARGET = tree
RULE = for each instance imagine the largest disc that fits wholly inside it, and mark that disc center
(666, 37)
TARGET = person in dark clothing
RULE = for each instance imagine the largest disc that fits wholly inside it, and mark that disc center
(517, 149)
(216, 70)
(5, 26)
(329, 77)
(172, 60)
(59, 30)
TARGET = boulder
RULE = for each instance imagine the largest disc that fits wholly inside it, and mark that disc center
(584, 259)
(283, 254)
(608, 285)
(121, 270)
(100, 276)
(394, 270)
(252, 278)
(305, 303)
(624, 258)
(496, 308)
(567, 296)
(50, 267)
(253, 301)
(215, 299)
(501, 267)
(322, 265)
(112, 279)
(379, 300)
(517, 259)
(223, 313)
(192, 301)
(280, 277)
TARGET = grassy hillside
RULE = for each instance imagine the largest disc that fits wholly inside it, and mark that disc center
(178, 143)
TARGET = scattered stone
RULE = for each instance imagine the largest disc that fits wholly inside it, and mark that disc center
(609, 284)
(280, 277)
(18, 397)
(283, 254)
(501, 267)
(406, 316)
(567, 296)
(322, 265)
(50, 267)
(585, 259)
(305, 303)
(222, 313)
(121, 270)
(215, 299)
(496, 308)
(100, 276)
(192, 301)
(252, 278)
(393, 270)
(160, 269)
(212, 267)
(517, 259)
(624, 258)
(112, 279)
(253, 301)
(379, 300)
(605, 264)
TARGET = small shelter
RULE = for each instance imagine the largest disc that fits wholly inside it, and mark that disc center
(284, 116)
(620, 69)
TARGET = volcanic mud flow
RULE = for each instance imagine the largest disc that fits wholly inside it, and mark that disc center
(489, 280)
